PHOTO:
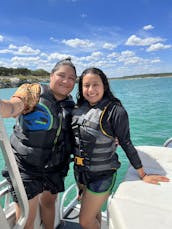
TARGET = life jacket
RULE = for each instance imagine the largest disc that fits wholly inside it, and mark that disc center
(41, 137)
(94, 148)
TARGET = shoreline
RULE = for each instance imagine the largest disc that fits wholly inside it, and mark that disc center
(136, 78)
(14, 81)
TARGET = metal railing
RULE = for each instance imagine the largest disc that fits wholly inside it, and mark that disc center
(15, 178)
(168, 143)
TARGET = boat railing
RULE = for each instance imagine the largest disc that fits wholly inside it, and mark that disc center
(8, 208)
(16, 181)
(168, 143)
(4, 193)
(64, 208)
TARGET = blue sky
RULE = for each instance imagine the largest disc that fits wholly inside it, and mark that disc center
(122, 37)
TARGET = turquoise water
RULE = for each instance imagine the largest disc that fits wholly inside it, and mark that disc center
(149, 105)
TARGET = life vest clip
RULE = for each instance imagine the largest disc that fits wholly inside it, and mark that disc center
(79, 160)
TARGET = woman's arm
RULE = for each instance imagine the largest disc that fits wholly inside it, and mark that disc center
(11, 108)
(121, 130)
(23, 101)
(121, 127)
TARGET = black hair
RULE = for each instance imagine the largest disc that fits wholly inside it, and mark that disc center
(66, 61)
(107, 91)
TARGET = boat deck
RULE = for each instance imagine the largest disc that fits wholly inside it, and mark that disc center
(72, 221)
(68, 225)
(75, 225)
(138, 203)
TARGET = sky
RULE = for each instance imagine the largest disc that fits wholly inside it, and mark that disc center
(121, 37)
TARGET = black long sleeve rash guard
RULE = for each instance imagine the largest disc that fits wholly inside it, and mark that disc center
(117, 118)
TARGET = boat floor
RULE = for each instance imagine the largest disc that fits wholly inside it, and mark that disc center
(72, 221)
(75, 225)
(69, 225)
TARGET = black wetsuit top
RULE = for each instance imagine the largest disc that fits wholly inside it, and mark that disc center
(116, 121)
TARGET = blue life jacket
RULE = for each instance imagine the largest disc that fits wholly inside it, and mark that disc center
(42, 137)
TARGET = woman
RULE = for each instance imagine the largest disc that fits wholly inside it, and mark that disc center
(41, 139)
(98, 120)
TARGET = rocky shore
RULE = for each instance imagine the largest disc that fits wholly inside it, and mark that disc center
(16, 81)
(12, 82)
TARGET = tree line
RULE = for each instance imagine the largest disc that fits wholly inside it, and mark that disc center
(22, 71)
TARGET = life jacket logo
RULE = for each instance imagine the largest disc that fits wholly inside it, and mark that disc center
(39, 119)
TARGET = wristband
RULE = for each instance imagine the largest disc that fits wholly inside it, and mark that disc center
(144, 176)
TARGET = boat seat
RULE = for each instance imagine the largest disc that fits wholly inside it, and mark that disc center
(137, 204)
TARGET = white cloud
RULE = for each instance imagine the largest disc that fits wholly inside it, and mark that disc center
(109, 46)
(21, 50)
(129, 57)
(43, 54)
(5, 51)
(119, 63)
(155, 60)
(133, 40)
(53, 39)
(11, 46)
(158, 46)
(78, 43)
(127, 53)
(93, 57)
(57, 56)
(26, 50)
(113, 55)
(24, 61)
(83, 15)
(148, 27)
(1, 38)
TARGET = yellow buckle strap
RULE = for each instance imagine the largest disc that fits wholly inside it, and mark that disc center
(79, 160)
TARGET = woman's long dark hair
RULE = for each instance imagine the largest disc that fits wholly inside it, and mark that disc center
(103, 77)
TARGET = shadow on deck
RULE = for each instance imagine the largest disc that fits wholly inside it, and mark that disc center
(68, 225)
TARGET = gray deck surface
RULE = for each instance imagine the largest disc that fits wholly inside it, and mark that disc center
(73, 225)
(72, 221)
(69, 225)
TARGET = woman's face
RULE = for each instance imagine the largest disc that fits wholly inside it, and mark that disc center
(62, 81)
(92, 88)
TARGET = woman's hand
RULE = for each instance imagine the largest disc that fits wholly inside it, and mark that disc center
(154, 178)
(11, 108)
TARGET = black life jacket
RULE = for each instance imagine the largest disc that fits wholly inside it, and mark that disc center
(42, 137)
(94, 147)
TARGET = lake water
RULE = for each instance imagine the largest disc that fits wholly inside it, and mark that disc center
(149, 105)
